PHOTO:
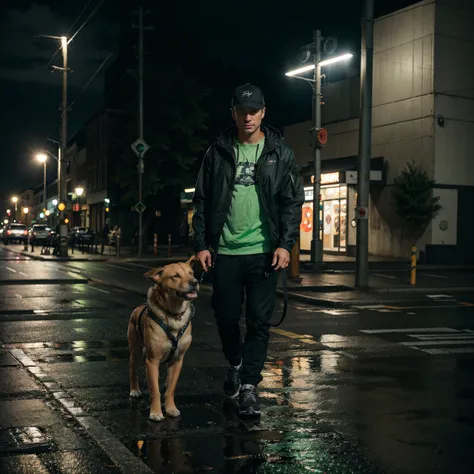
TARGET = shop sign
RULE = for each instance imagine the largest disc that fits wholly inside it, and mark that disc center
(328, 178)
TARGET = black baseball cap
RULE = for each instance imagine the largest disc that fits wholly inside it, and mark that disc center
(248, 95)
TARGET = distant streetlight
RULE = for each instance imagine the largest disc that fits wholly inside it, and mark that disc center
(43, 158)
(55, 202)
(314, 50)
(79, 191)
(25, 210)
(15, 201)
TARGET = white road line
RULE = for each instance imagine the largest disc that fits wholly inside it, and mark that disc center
(140, 265)
(372, 306)
(97, 289)
(385, 276)
(24, 274)
(121, 268)
(434, 276)
(11, 269)
(435, 343)
(409, 330)
(440, 337)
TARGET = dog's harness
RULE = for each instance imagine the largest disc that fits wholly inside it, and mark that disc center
(166, 329)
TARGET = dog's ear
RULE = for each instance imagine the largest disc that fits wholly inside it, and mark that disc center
(192, 260)
(154, 274)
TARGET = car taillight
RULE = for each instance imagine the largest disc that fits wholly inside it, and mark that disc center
(25, 232)
(9, 232)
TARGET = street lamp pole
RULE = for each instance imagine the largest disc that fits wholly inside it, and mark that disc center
(316, 244)
(316, 47)
(365, 146)
(61, 160)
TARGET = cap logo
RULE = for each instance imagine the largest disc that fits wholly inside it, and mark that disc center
(247, 93)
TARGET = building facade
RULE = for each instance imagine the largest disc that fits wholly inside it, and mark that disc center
(423, 111)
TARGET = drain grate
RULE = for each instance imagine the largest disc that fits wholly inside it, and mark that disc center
(25, 440)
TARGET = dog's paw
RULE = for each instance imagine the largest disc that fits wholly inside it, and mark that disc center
(135, 394)
(156, 417)
(173, 412)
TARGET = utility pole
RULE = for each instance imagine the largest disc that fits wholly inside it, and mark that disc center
(140, 126)
(61, 160)
(44, 192)
(365, 145)
(316, 244)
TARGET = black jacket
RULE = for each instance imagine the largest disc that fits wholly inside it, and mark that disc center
(280, 188)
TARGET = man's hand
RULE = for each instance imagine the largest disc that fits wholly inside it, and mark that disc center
(204, 257)
(281, 259)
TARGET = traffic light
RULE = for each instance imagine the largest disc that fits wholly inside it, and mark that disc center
(107, 209)
(61, 206)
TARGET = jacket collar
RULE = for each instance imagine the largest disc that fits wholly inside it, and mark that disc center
(273, 138)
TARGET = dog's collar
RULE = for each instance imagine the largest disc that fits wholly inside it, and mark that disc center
(167, 311)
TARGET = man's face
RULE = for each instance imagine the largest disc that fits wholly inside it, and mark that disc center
(248, 120)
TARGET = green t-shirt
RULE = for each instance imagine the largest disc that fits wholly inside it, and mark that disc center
(246, 230)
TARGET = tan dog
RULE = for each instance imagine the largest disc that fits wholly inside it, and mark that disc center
(153, 326)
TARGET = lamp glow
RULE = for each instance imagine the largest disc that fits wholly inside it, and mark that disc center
(326, 62)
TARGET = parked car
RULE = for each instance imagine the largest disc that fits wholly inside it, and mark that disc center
(81, 236)
(15, 232)
(39, 233)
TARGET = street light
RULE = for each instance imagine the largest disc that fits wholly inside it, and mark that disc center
(79, 192)
(316, 46)
(55, 202)
(25, 210)
(326, 62)
(43, 158)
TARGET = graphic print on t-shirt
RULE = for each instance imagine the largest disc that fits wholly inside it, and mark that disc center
(245, 175)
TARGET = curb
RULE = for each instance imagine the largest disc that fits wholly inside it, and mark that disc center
(444, 289)
(56, 281)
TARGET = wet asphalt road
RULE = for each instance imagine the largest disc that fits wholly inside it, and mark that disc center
(361, 390)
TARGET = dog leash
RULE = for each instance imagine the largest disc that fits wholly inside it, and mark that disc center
(284, 281)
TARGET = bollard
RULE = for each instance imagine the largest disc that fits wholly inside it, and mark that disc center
(169, 245)
(413, 266)
(294, 270)
(155, 245)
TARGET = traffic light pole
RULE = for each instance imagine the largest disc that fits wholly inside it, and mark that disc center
(140, 127)
(365, 146)
(316, 244)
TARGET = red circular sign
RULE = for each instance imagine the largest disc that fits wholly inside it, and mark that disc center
(322, 136)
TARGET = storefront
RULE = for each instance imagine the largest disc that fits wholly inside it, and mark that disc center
(332, 215)
(337, 206)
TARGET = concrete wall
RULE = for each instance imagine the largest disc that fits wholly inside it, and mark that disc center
(454, 86)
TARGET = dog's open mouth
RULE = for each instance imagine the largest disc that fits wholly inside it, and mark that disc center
(190, 295)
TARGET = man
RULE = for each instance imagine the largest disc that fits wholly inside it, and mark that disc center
(247, 211)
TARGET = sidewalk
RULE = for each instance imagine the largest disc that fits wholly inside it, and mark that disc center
(126, 255)
(36, 431)
(338, 289)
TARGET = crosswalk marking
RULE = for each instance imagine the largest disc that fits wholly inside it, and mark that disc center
(408, 330)
(432, 341)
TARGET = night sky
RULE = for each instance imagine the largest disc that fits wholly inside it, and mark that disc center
(263, 36)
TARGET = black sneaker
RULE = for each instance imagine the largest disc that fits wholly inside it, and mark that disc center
(248, 403)
(232, 383)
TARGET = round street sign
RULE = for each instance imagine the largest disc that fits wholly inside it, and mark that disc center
(322, 137)
(362, 213)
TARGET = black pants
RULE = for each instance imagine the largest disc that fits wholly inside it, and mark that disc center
(236, 278)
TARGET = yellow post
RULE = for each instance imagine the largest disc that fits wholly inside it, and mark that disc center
(413, 266)
(294, 272)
